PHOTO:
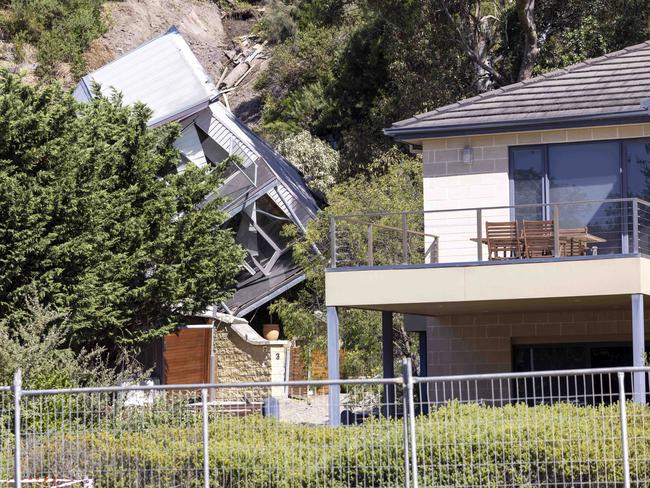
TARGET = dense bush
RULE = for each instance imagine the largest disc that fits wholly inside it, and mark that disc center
(61, 30)
(457, 445)
(97, 222)
(40, 347)
(313, 157)
(277, 23)
(396, 186)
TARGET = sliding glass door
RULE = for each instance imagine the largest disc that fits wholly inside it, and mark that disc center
(637, 173)
(588, 172)
(583, 172)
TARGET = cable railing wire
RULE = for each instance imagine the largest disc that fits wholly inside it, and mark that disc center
(595, 228)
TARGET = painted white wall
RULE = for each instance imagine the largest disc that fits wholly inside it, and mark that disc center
(449, 183)
(455, 228)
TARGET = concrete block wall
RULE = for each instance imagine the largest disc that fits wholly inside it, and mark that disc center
(449, 183)
(482, 343)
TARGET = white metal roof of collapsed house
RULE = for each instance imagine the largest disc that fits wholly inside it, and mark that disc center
(146, 75)
(166, 75)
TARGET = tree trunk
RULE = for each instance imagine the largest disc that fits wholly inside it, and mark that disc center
(526, 12)
(476, 34)
(403, 343)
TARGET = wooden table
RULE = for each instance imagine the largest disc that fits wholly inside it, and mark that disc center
(566, 236)
(586, 237)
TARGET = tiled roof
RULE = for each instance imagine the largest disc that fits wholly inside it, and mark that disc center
(609, 86)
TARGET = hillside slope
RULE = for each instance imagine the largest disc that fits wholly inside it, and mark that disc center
(133, 22)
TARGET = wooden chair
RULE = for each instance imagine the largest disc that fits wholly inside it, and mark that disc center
(573, 247)
(538, 238)
(503, 240)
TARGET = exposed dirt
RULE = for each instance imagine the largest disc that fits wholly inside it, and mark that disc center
(245, 101)
(134, 22)
(9, 58)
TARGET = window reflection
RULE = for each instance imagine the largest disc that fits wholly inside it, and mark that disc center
(528, 176)
(587, 172)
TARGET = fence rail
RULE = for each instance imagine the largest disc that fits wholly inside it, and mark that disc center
(613, 226)
(554, 428)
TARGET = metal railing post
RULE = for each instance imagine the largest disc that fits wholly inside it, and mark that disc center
(407, 377)
(371, 245)
(556, 231)
(407, 464)
(624, 444)
(332, 242)
(635, 226)
(479, 234)
(405, 239)
(206, 452)
(17, 391)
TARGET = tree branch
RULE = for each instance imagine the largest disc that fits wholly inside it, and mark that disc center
(472, 49)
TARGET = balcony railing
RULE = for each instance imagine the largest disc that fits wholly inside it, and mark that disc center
(580, 229)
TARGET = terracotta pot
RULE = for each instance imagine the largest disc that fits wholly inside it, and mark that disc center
(271, 332)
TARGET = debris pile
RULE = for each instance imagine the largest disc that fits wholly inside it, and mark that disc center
(246, 56)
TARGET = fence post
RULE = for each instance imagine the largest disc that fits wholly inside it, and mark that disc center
(635, 226)
(405, 239)
(624, 445)
(332, 242)
(556, 231)
(407, 464)
(206, 453)
(407, 377)
(479, 234)
(371, 246)
(17, 388)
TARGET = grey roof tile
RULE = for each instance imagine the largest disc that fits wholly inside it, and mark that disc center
(613, 84)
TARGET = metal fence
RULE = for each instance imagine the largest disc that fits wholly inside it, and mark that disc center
(564, 428)
(589, 228)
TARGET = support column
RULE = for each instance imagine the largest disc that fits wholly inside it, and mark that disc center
(388, 362)
(334, 391)
(638, 346)
(424, 361)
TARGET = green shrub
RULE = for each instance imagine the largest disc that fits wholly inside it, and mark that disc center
(277, 23)
(61, 30)
(457, 445)
(317, 160)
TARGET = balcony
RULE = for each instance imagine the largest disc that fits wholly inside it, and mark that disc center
(446, 261)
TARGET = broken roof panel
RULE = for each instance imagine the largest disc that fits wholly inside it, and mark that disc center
(146, 75)
(597, 91)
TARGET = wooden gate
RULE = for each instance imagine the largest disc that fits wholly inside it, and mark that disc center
(187, 356)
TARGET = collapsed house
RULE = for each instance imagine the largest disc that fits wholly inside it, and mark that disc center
(263, 193)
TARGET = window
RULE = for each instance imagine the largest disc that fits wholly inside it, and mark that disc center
(581, 172)
(528, 178)
(637, 165)
(577, 389)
